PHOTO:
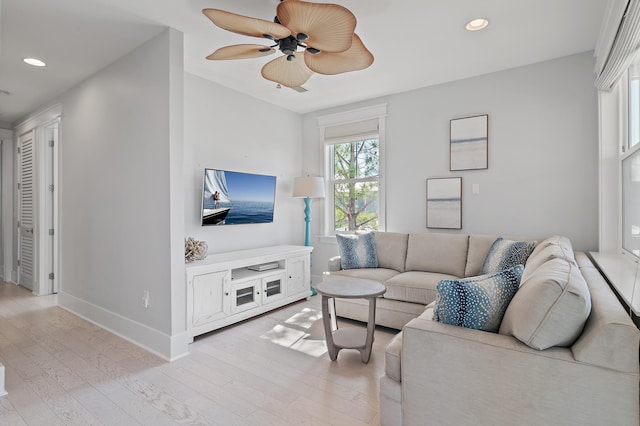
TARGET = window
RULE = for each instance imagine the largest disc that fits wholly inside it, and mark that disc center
(631, 203)
(630, 165)
(355, 184)
(354, 170)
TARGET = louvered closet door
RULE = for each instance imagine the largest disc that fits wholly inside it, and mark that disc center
(26, 251)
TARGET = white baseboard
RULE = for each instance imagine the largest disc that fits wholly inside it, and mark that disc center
(165, 346)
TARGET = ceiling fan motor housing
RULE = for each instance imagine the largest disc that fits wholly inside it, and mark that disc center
(288, 45)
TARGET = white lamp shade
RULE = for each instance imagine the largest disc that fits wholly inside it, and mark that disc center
(308, 186)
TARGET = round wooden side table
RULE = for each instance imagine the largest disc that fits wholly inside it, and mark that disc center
(349, 337)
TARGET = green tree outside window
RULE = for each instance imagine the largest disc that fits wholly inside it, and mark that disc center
(355, 181)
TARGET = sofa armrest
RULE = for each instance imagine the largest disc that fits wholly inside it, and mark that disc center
(334, 263)
(454, 375)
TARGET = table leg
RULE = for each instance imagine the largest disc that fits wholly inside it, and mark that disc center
(365, 353)
(328, 333)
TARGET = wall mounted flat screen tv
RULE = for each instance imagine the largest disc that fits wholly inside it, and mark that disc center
(232, 198)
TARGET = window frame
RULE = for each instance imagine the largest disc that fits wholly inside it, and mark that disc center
(378, 112)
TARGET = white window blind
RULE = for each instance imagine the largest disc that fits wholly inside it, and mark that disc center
(351, 131)
(620, 40)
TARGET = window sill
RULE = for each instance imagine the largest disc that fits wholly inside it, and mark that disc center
(327, 239)
(621, 271)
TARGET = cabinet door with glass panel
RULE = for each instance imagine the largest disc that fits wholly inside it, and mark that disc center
(245, 295)
(273, 288)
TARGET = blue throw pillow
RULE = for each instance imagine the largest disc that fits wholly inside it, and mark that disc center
(505, 254)
(357, 250)
(477, 302)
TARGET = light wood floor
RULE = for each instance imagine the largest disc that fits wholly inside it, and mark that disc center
(272, 370)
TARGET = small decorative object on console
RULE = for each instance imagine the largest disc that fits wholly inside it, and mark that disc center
(194, 250)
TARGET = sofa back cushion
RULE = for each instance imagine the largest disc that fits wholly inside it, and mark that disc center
(550, 308)
(551, 251)
(563, 243)
(392, 250)
(479, 246)
(432, 252)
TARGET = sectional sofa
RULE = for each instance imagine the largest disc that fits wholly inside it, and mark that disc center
(566, 352)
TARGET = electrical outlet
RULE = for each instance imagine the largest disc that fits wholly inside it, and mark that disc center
(145, 299)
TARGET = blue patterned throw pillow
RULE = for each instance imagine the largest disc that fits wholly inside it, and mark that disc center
(477, 302)
(505, 254)
(357, 250)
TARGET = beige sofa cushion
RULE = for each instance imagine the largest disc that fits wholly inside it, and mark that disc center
(557, 240)
(443, 253)
(550, 308)
(376, 274)
(551, 251)
(392, 250)
(479, 246)
(415, 286)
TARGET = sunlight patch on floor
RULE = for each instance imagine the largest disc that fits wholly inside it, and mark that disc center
(302, 332)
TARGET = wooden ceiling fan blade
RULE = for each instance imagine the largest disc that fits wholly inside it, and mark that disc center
(241, 51)
(328, 27)
(292, 73)
(356, 58)
(246, 25)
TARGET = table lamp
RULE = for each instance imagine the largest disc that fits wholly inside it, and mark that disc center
(308, 187)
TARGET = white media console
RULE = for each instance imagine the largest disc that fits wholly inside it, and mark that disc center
(226, 288)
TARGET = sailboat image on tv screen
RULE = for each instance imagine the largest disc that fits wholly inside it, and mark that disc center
(216, 203)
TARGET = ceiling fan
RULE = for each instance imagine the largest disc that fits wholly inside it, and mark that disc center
(324, 33)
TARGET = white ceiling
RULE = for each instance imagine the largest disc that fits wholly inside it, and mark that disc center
(416, 43)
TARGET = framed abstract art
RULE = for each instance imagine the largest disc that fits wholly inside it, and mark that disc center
(444, 203)
(469, 143)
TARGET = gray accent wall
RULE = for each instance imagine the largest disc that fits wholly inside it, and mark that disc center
(543, 153)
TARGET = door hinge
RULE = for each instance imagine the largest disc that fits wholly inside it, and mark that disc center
(51, 231)
(51, 144)
(50, 275)
(18, 224)
(18, 185)
(19, 150)
(51, 187)
(18, 262)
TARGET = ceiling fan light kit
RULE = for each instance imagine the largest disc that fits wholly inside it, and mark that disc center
(324, 33)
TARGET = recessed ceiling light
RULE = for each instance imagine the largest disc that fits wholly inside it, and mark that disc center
(35, 62)
(477, 24)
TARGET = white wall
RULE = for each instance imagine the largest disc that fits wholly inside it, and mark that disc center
(228, 130)
(119, 217)
(543, 152)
